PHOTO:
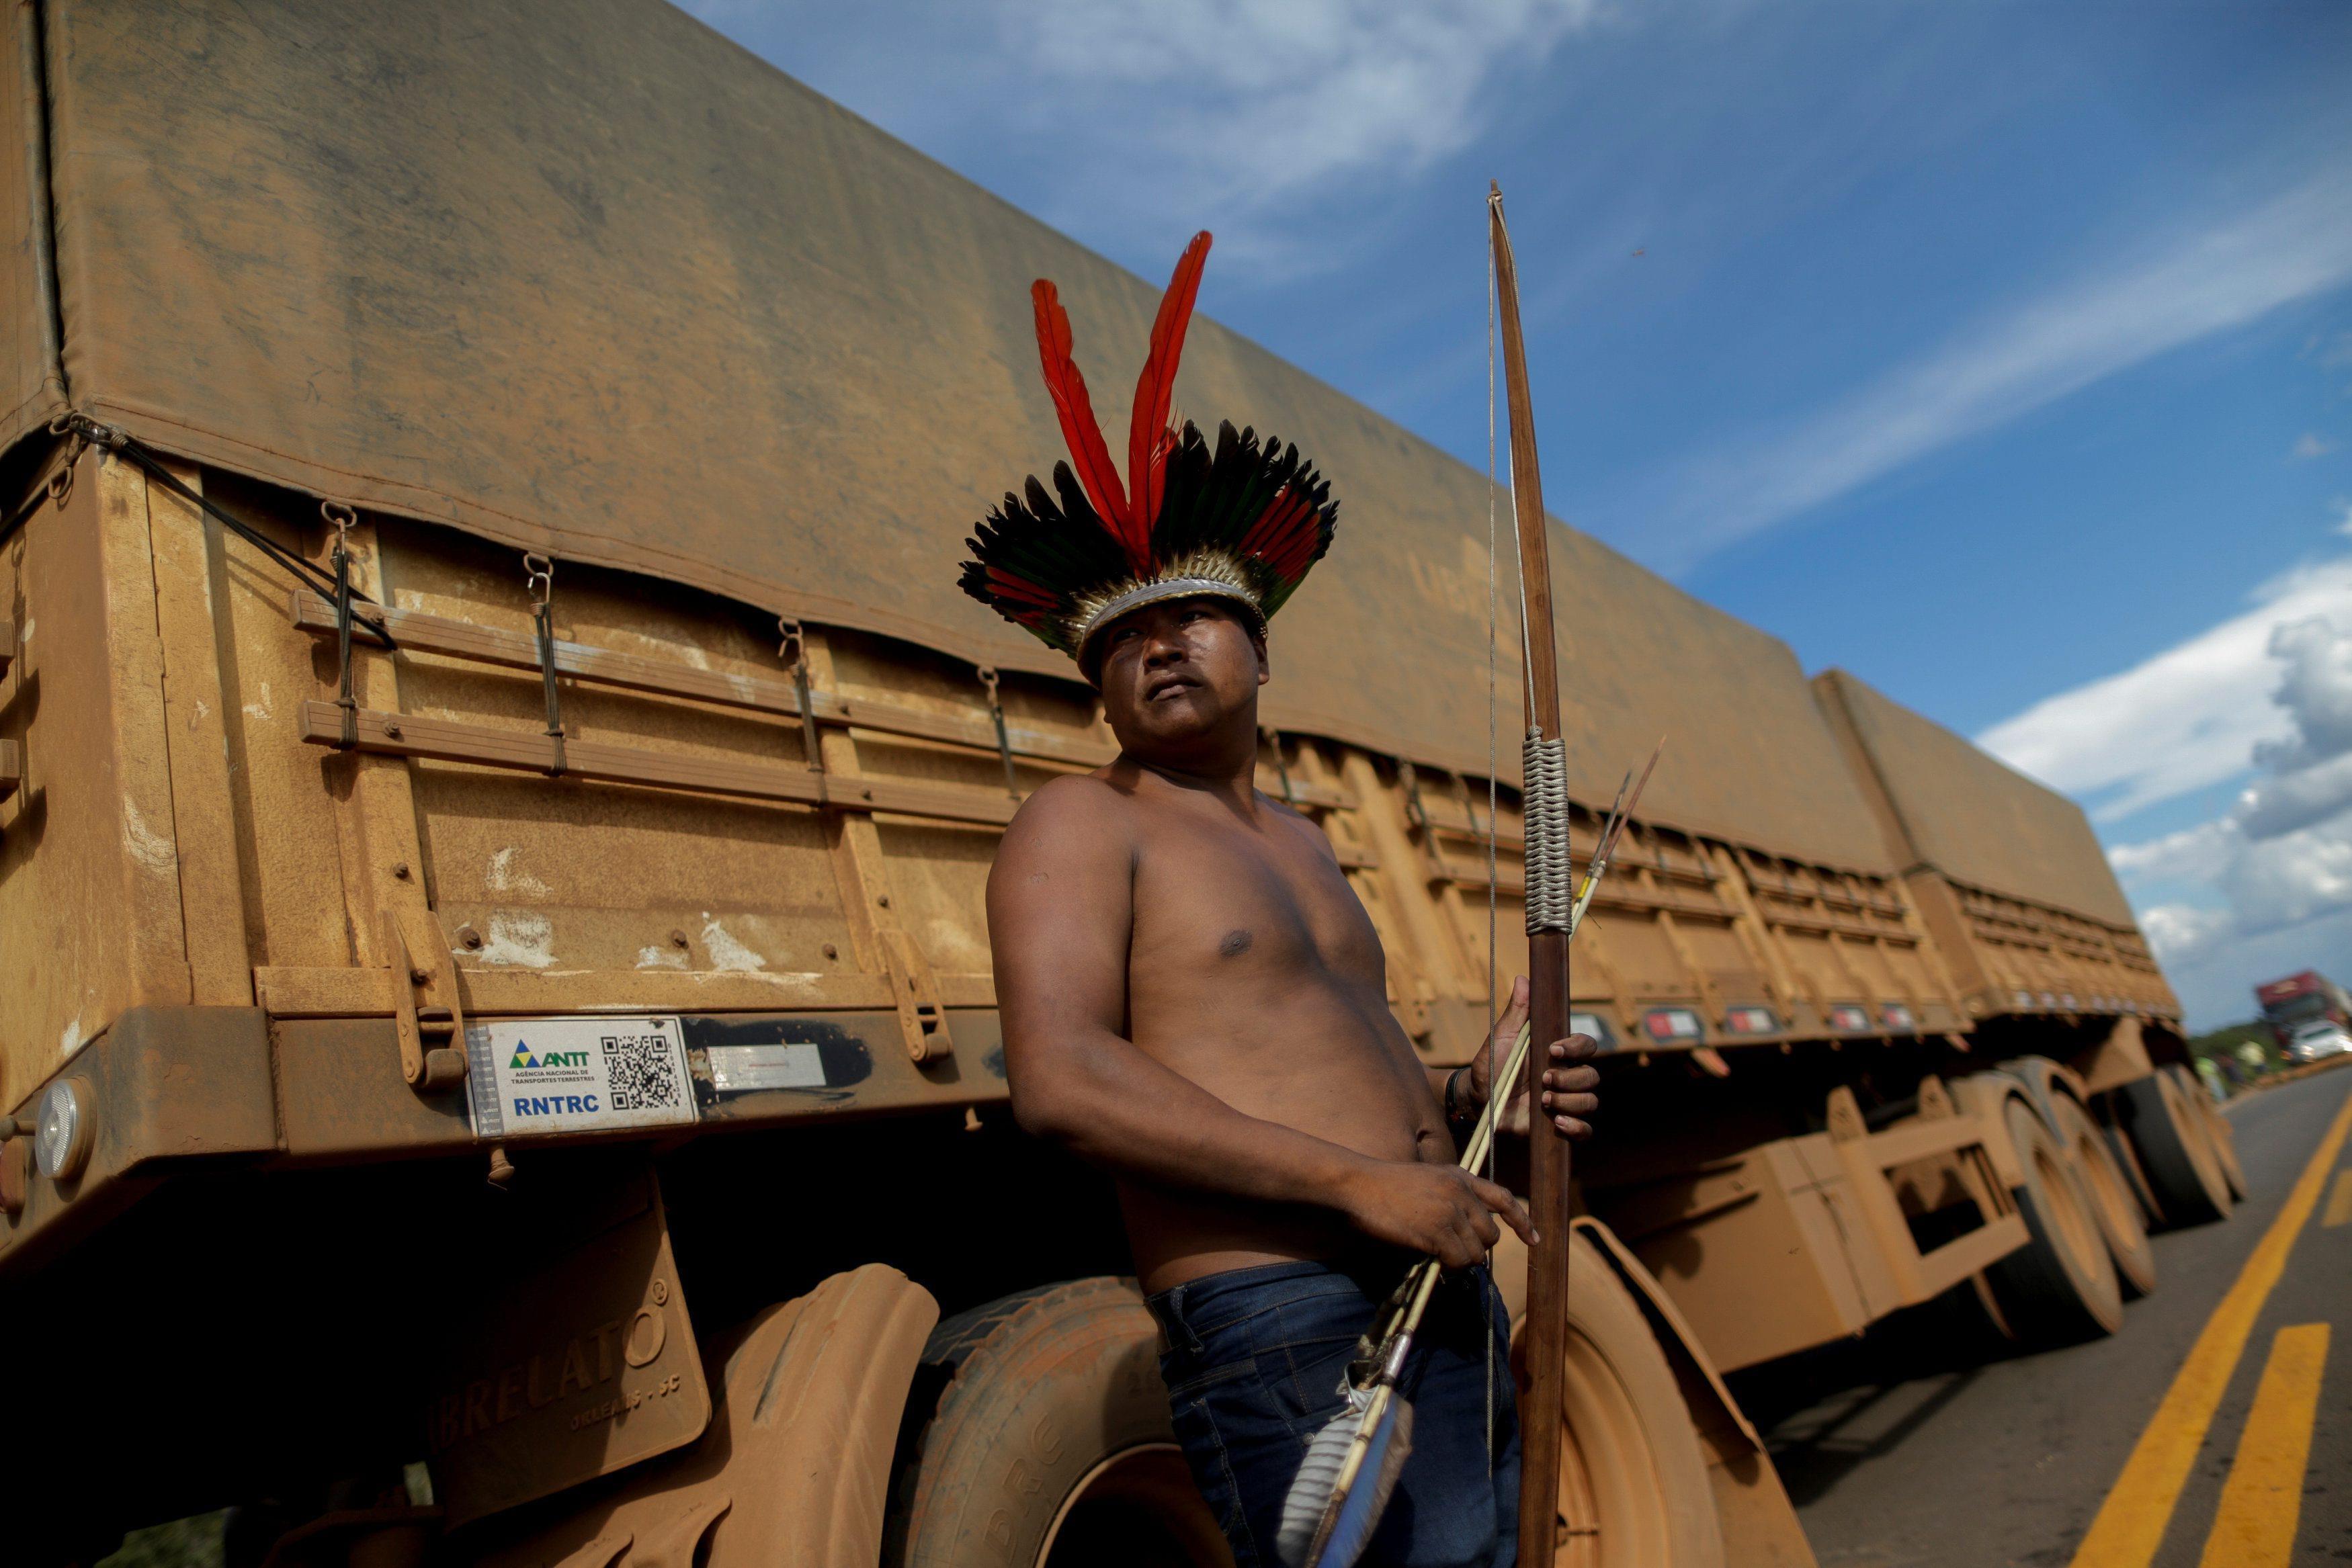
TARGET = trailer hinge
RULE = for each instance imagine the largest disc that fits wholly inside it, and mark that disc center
(431, 1020)
(915, 988)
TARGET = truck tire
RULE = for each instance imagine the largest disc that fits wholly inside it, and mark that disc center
(1049, 1443)
(2060, 1286)
(2114, 1206)
(2219, 1133)
(2175, 1151)
(1633, 1487)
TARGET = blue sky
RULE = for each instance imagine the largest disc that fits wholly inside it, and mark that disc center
(2000, 353)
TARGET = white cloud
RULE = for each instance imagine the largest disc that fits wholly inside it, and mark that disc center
(2177, 932)
(2200, 854)
(2311, 443)
(2222, 274)
(2278, 863)
(2185, 719)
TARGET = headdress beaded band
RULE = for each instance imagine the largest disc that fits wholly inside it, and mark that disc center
(1243, 522)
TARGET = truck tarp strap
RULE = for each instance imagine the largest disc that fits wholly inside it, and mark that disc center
(542, 572)
(1281, 768)
(1414, 811)
(795, 651)
(129, 446)
(340, 517)
(988, 678)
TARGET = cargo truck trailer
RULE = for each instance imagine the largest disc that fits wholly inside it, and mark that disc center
(499, 785)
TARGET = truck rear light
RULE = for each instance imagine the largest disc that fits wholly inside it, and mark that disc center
(61, 1133)
(1603, 1037)
(1849, 1020)
(1897, 1017)
(1751, 1021)
(1673, 1024)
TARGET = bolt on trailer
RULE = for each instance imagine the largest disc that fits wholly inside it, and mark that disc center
(498, 784)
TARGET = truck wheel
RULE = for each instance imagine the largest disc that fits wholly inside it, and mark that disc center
(1633, 1487)
(2113, 1208)
(2175, 1153)
(2218, 1130)
(2061, 1285)
(1050, 1443)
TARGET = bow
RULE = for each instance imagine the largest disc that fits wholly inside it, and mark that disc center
(1550, 904)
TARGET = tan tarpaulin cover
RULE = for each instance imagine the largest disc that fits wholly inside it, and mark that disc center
(1975, 818)
(582, 276)
(27, 405)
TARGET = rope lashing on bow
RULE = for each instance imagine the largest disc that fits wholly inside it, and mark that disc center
(1551, 878)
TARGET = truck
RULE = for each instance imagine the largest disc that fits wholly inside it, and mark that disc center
(498, 1038)
(2309, 1014)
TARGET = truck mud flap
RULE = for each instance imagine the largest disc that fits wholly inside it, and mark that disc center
(795, 1465)
(582, 1364)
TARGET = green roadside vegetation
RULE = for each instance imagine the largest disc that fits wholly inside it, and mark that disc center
(2238, 1056)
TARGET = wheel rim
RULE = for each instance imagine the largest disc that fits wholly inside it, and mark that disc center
(2196, 1142)
(2118, 1214)
(1135, 1508)
(1611, 1496)
(2073, 1227)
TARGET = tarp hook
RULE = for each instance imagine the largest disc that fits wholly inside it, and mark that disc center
(538, 574)
(793, 651)
(988, 679)
(340, 517)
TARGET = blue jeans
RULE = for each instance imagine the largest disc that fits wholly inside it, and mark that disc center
(1253, 1363)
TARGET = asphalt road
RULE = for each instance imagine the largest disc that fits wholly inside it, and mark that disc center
(1924, 1445)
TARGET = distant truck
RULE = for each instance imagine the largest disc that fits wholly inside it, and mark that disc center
(2301, 1007)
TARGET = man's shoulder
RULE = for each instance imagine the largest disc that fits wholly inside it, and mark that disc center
(1073, 801)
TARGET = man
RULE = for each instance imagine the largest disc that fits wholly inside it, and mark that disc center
(1193, 999)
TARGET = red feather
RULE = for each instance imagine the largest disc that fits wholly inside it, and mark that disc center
(1021, 587)
(1090, 455)
(1155, 390)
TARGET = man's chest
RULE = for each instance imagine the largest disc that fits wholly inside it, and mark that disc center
(1240, 898)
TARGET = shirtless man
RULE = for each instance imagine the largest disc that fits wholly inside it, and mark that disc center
(1193, 999)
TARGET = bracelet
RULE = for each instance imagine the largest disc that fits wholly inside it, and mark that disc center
(1452, 1082)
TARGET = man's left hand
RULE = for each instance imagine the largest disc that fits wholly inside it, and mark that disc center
(1569, 1079)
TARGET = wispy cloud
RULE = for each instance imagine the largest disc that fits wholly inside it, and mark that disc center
(1255, 112)
(2217, 275)
(1263, 100)
(2311, 443)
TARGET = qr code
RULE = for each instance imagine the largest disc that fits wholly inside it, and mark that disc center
(641, 1072)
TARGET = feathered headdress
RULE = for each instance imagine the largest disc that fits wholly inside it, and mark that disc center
(1243, 522)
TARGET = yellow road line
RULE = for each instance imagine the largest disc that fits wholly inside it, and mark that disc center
(2339, 1202)
(2130, 1523)
(2263, 1499)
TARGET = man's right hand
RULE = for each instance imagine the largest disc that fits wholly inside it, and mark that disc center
(1442, 1210)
